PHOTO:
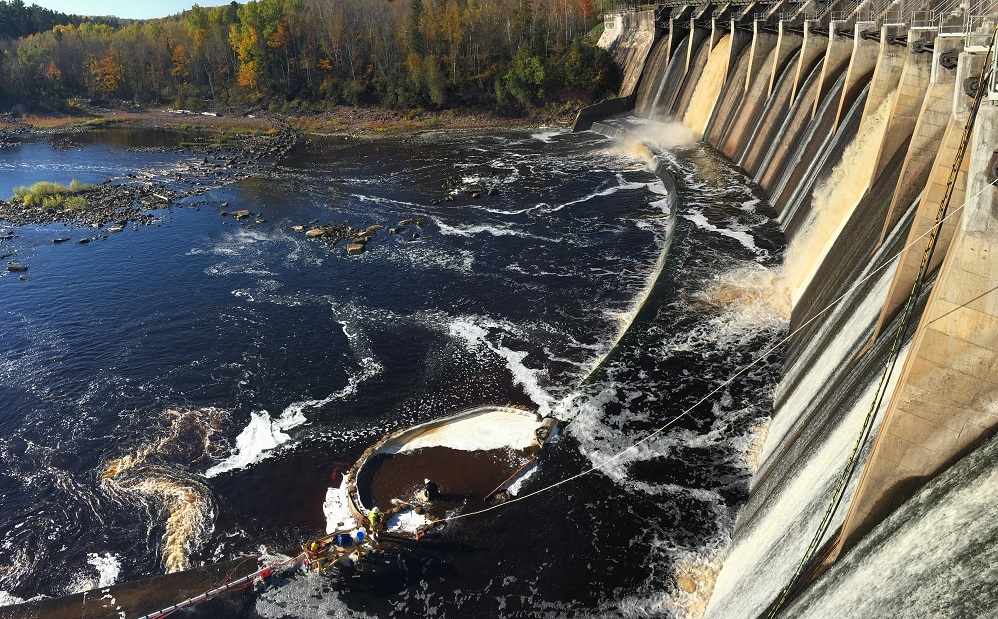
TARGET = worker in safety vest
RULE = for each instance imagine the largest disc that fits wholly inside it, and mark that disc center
(374, 516)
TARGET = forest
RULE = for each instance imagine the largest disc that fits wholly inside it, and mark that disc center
(304, 55)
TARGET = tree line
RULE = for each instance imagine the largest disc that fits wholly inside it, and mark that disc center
(20, 20)
(300, 54)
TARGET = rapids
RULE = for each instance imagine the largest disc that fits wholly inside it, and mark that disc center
(185, 393)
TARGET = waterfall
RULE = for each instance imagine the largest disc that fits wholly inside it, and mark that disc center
(814, 426)
(697, 63)
(668, 86)
(790, 129)
(801, 162)
(923, 559)
(829, 152)
(812, 120)
(770, 120)
(652, 79)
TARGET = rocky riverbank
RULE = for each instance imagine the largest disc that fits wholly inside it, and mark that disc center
(129, 199)
(233, 147)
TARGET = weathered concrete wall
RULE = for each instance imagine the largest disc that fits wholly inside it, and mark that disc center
(933, 118)
(890, 63)
(653, 77)
(752, 103)
(813, 47)
(629, 37)
(837, 53)
(731, 97)
(913, 83)
(787, 44)
(947, 400)
(861, 66)
(796, 109)
(933, 191)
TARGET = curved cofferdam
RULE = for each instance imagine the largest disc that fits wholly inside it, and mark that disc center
(873, 139)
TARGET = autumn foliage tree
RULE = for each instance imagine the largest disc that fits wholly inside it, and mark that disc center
(298, 54)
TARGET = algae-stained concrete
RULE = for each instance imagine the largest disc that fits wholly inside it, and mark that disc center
(946, 402)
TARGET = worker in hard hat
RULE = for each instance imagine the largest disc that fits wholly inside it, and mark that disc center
(374, 517)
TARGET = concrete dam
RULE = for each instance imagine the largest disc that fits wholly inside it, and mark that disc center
(872, 126)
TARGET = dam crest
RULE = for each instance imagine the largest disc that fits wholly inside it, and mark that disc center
(872, 126)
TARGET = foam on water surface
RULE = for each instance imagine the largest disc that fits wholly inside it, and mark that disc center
(483, 431)
(257, 439)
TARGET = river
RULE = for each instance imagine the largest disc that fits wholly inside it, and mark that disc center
(185, 392)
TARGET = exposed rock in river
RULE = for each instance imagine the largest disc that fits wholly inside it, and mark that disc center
(110, 201)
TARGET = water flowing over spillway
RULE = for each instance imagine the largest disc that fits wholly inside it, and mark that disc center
(746, 433)
(878, 162)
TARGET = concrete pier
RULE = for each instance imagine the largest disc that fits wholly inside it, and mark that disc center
(838, 53)
(945, 404)
(861, 65)
(850, 122)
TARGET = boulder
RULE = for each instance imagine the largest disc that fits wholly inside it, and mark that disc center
(13, 267)
(240, 214)
(61, 239)
(297, 228)
(116, 228)
(315, 233)
(355, 249)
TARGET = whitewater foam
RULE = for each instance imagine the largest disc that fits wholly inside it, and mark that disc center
(547, 136)
(737, 233)
(255, 443)
(108, 567)
(263, 434)
(474, 331)
(336, 508)
(486, 431)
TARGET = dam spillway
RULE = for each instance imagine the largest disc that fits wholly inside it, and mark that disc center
(866, 123)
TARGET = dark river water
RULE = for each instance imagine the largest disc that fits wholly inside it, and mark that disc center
(182, 393)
